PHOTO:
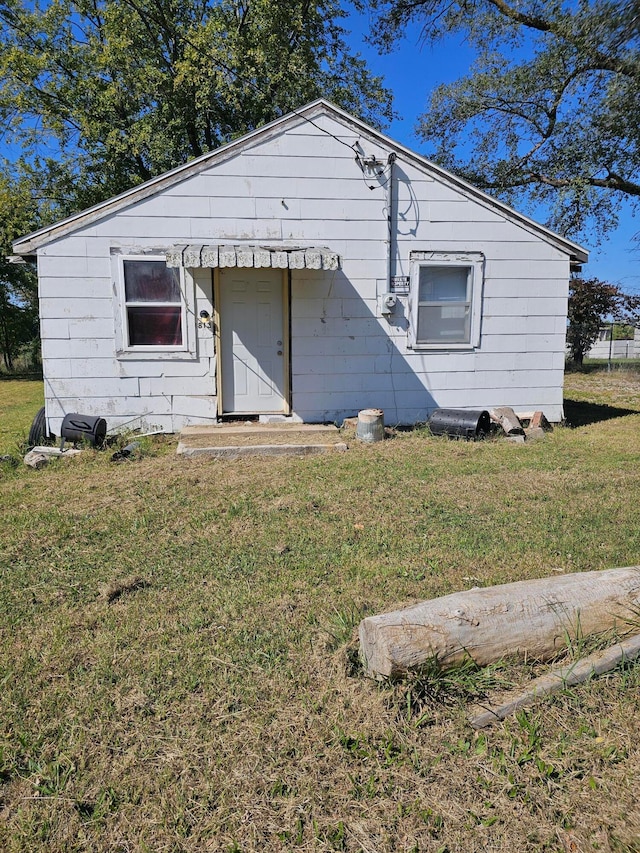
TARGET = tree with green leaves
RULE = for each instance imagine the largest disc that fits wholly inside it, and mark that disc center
(100, 95)
(18, 283)
(591, 303)
(104, 94)
(623, 332)
(549, 111)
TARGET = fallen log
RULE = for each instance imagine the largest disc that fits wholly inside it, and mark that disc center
(534, 619)
(559, 679)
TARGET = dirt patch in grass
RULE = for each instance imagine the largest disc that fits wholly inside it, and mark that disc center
(113, 590)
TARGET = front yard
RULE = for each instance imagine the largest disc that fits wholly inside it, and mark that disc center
(179, 671)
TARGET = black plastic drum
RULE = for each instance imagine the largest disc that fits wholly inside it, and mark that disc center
(87, 428)
(460, 423)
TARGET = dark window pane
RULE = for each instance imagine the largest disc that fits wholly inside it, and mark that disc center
(150, 281)
(155, 326)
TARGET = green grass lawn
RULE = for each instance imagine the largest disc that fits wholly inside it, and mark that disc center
(20, 400)
(178, 664)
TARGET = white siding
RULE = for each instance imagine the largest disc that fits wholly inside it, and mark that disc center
(303, 187)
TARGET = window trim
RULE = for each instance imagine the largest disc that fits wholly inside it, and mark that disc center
(124, 349)
(472, 261)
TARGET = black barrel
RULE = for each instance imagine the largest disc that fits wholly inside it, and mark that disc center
(87, 428)
(460, 423)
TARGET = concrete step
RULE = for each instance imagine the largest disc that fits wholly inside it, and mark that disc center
(231, 440)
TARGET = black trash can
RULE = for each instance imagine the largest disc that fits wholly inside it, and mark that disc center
(460, 423)
(87, 428)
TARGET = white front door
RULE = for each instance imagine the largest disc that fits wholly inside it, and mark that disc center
(252, 341)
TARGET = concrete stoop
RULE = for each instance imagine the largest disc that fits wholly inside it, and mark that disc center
(232, 440)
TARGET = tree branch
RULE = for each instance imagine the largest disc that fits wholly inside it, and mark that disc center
(533, 21)
(611, 182)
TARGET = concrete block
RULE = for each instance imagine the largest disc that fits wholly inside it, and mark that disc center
(534, 433)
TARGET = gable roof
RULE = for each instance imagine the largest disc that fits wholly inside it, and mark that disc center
(30, 243)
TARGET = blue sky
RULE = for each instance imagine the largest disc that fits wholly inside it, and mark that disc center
(413, 70)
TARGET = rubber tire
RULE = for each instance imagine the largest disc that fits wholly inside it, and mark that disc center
(38, 434)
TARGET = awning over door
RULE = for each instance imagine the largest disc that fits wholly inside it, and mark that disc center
(277, 257)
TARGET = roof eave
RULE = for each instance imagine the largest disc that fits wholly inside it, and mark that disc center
(28, 244)
(31, 242)
(575, 251)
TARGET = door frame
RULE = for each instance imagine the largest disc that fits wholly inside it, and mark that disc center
(218, 320)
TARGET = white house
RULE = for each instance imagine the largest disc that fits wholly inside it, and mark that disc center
(312, 268)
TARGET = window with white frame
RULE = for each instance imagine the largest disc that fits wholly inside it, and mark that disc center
(445, 300)
(154, 308)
